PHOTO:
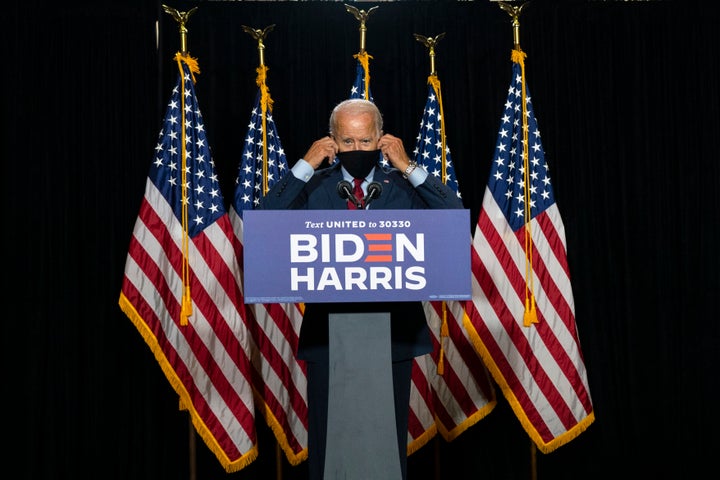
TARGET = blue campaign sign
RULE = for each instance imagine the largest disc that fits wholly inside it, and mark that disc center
(326, 256)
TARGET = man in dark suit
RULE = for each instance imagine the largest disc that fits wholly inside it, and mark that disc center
(358, 143)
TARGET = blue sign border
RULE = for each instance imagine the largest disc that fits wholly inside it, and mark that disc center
(327, 256)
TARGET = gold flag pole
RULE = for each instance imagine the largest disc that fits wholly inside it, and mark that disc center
(265, 105)
(362, 56)
(430, 43)
(182, 19)
(183, 57)
(518, 56)
(265, 100)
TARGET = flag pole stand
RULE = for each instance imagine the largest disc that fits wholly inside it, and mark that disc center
(438, 468)
(192, 450)
(533, 461)
(278, 461)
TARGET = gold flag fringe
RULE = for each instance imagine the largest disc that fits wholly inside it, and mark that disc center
(185, 402)
(526, 423)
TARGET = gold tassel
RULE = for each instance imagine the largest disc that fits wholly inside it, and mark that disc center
(435, 82)
(265, 106)
(186, 301)
(186, 308)
(441, 365)
(444, 331)
(530, 315)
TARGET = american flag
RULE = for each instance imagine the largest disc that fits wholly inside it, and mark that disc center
(431, 139)
(280, 380)
(181, 289)
(522, 313)
(453, 387)
(361, 87)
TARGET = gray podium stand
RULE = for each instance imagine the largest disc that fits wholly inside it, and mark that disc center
(361, 432)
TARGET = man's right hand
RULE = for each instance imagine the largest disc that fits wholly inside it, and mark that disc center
(320, 150)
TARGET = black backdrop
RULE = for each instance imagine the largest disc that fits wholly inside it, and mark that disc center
(626, 96)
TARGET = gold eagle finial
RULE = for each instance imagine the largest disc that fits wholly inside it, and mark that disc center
(259, 35)
(514, 12)
(361, 16)
(430, 43)
(182, 19)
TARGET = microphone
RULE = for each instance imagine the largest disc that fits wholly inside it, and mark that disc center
(374, 191)
(345, 191)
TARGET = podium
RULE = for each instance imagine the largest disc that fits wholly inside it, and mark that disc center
(361, 433)
(337, 256)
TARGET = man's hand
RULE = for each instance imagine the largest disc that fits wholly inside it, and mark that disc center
(394, 150)
(320, 150)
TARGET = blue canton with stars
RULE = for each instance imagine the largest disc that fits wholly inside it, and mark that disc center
(428, 149)
(204, 200)
(507, 172)
(249, 182)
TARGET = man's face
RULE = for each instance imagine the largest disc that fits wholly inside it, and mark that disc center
(355, 132)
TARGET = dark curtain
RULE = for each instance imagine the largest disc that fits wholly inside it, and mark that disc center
(626, 96)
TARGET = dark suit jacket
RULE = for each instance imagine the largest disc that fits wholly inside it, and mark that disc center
(409, 331)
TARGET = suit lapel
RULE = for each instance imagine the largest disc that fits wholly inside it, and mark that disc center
(383, 179)
(334, 178)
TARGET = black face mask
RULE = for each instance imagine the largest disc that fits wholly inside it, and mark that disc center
(358, 163)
